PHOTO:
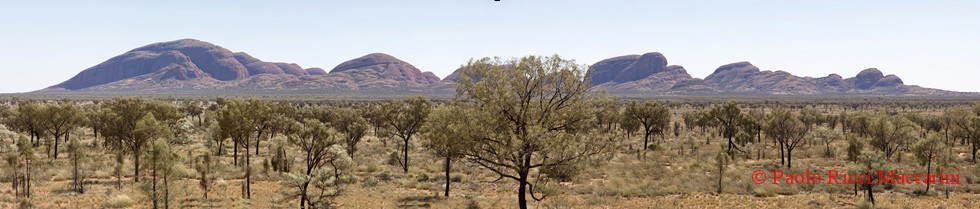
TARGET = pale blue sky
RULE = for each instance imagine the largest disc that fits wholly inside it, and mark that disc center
(934, 44)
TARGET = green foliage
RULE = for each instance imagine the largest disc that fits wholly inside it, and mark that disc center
(721, 160)
(889, 132)
(854, 147)
(78, 158)
(538, 112)
(205, 166)
(653, 117)
(810, 116)
(628, 124)
(149, 129)
(59, 119)
(607, 113)
(727, 117)
(677, 129)
(787, 129)
(928, 150)
(404, 119)
(19, 159)
(868, 163)
(161, 163)
(827, 136)
(280, 160)
(562, 172)
(317, 143)
(450, 130)
(349, 123)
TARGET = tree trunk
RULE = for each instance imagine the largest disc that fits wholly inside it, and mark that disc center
(707, 140)
(153, 173)
(975, 152)
(789, 158)
(730, 145)
(758, 135)
(27, 182)
(206, 193)
(521, 198)
(303, 196)
(352, 148)
(119, 162)
(447, 176)
(336, 174)
(782, 156)
(166, 191)
(928, 169)
(235, 155)
(871, 196)
(136, 175)
(405, 160)
(721, 174)
(56, 139)
(248, 175)
(258, 137)
(646, 138)
(945, 186)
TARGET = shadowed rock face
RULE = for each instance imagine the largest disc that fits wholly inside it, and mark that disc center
(291, 69)
(316, 71)
(889, 81)
(256, 66)
(732, 76)
(867, 78)
(606, 70)
(647, 73)
(627, 68)
(385, 66)
(454, 77)
(648, 64)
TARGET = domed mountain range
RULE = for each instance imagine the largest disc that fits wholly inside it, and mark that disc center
(193, 66)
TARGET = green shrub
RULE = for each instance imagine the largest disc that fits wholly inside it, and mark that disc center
(370, 181)
(394, 159)
(562, 172)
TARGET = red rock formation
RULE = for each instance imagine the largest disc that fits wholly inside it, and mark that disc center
(385, 66)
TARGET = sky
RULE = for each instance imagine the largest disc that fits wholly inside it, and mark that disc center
(934, 44)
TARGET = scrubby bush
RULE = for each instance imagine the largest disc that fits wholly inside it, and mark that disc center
(563, 172)
(119, 201)
(370, 181)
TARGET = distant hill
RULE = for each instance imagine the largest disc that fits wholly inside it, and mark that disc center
(189, 65)
(650, 74)
(193, 66)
